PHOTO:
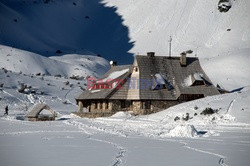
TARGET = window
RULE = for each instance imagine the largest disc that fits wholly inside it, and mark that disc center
(102, 86)
(146, 104)
(196, 83)
(106, 105)
(123, 104)
(136, 69)
(101, 103)
(95, 105)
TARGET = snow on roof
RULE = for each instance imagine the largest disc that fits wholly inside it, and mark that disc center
(94, 91)
(114, 75)
(192, 78)
(159, 80)
(188, 81)
(39, 108)
(198, 76)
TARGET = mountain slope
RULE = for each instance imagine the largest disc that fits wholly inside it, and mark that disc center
(68, 65)
(197, 25)
(71, 26)
(107, 27)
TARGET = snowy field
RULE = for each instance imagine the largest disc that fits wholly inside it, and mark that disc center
(178, 136)
(222, 138)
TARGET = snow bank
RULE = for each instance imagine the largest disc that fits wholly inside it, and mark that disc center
(121, 114)
(183, 131)
(232, 108)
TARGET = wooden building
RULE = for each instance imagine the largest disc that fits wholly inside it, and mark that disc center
(151, 84)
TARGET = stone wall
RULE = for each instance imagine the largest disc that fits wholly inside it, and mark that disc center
(101, 106)
(116, 106)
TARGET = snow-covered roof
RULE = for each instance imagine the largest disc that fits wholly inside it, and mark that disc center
(114, 75)
(38, 109)
(189, 81)
(158, 80)
(198, 76)
(160, 70)
(95, 91)
(116, 72)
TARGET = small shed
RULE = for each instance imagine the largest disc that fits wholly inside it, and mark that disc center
(36, 113)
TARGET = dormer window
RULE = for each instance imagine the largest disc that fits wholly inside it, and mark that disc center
(197, 79)
(136, 69)
(159, 82)
(194, 80)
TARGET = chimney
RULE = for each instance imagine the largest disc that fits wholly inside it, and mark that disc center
(112, 63)
(150, 54)
(183, 59)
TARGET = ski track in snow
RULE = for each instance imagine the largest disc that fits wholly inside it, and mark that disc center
(121, 154)
(118, 159)
(37, 132)
(221, 160)
(13, 96)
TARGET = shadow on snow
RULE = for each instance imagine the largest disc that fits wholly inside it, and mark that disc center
(65, 26)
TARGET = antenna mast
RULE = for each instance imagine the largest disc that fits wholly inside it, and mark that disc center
(170, 46)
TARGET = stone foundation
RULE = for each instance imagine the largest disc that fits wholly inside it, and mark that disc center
(98, 108)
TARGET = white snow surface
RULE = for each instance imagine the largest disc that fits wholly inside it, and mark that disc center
(187, 81)
(222, 138)
(159, 79)
(122, 139)
(198, 76)
(196, 25)
(114, 75)
(67, 65)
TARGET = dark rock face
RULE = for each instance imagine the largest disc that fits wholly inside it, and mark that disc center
(224, 5)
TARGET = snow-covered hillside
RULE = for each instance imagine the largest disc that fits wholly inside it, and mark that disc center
(72, 33)
(26, 62)
(221, 138)
(220, 39)
(71, 26)
(112, 28)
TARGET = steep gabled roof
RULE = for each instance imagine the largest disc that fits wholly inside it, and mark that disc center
(153, 69)
(175, 74)
(106, 93)
(38, 109)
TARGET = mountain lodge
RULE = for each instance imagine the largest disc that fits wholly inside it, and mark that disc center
(151, 84)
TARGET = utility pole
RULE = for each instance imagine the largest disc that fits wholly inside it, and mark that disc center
(170, 46)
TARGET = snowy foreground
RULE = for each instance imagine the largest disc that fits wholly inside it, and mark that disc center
(222, 138)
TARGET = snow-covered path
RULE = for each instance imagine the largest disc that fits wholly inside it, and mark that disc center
(77, 141)
(222, 138)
